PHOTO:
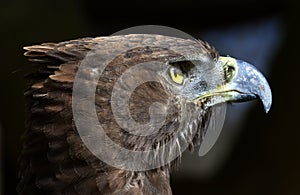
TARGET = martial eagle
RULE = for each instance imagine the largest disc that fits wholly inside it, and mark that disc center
(192, 79)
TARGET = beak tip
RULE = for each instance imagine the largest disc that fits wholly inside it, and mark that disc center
(267, 105)
(267, 100)
(267, 108)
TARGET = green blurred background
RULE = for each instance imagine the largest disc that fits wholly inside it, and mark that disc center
(265, 158)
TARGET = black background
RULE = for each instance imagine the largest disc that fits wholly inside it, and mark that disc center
(266, 159)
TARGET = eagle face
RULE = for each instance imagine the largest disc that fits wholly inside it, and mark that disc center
(217, 81)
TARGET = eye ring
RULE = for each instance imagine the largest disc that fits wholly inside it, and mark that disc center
(176, 75)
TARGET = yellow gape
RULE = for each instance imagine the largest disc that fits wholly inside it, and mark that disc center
(176, 75)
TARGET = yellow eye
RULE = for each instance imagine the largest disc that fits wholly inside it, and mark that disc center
(176, 75)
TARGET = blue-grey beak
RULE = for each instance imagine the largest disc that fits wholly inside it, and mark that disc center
(244, 82)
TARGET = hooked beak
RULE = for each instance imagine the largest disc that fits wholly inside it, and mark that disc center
(243, 83)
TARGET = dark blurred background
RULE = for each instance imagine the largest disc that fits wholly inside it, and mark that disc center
(261, 157)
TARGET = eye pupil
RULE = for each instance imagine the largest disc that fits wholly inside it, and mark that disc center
(175, 72)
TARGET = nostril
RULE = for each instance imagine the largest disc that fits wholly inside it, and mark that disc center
(203, 84)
